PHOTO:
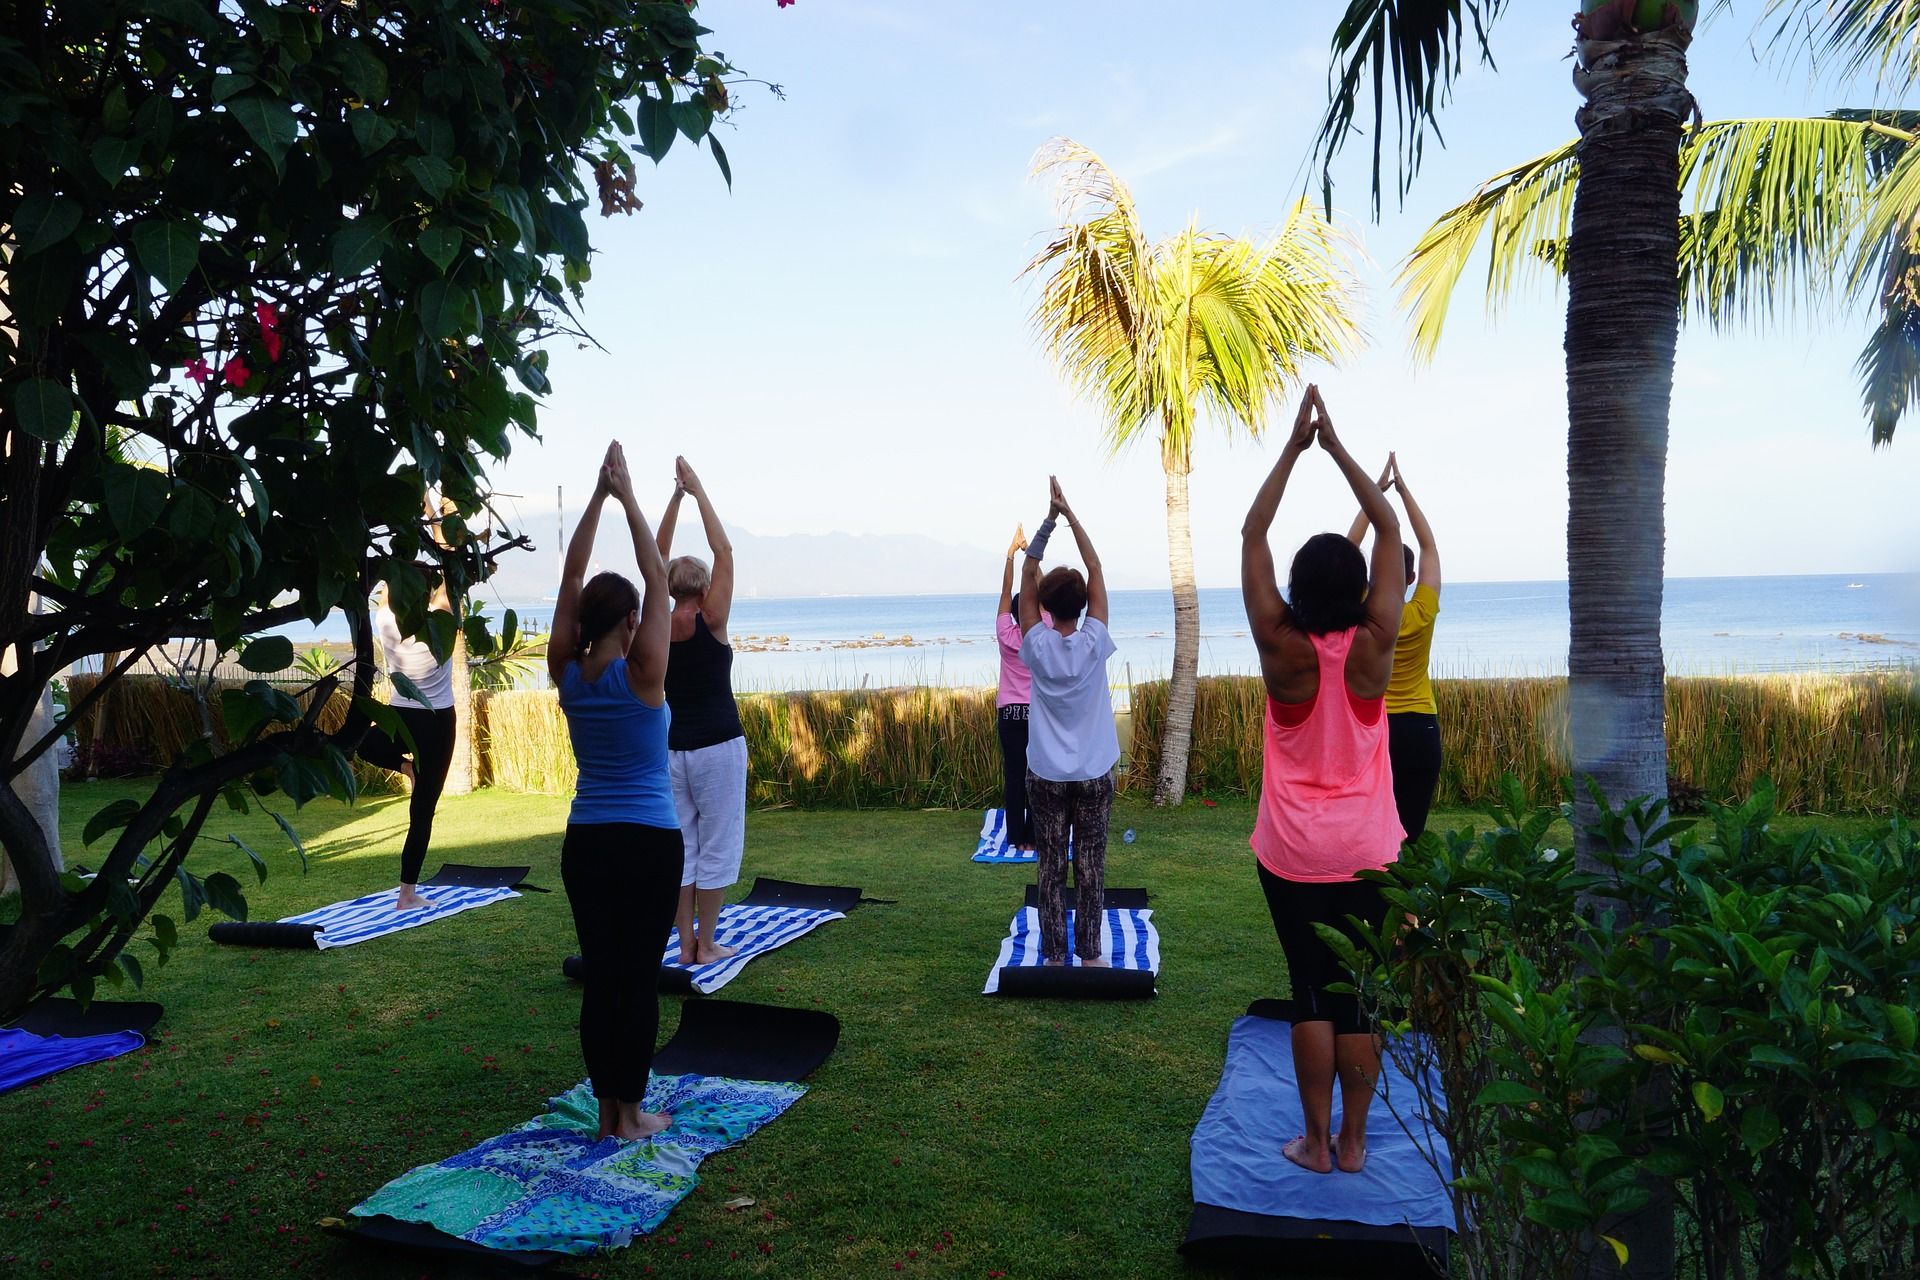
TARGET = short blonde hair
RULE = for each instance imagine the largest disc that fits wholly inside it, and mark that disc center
(688, 577)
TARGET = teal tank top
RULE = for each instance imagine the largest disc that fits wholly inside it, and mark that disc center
(620, 744)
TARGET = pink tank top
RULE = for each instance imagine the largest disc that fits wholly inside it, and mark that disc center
(1326, 803)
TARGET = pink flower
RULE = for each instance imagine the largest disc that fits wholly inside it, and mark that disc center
(236, 373)
(785, 3)
(269, 328)
(197, 370)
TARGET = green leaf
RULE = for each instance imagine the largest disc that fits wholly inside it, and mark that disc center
(293, 837)
(358, 246)
(693, 118)
(135, 496)
(164, 931)
(167, 251)
(223, 895)
(114, 158)
(1619, 1249)
(259, 863)
(1767, 1055)
(1709, 1099)
(269, 122)
(1506, 1092)
(44, 408)
(267, 654)
(1541, 1172)
(112, 818)
(407, 688)
(440, 244)
(720, 158)
(131, 966)
(370, 129)
(432, 173)
(364, 74)
(1759, 1128)
(656, 127)
(227, 84)
(192, 895)
(45, 220)
(1902, 1021)
(442, 308)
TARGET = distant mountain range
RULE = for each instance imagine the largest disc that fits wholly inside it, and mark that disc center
(802, 564)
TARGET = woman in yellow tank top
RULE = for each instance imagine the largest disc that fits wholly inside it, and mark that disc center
(1413, 723)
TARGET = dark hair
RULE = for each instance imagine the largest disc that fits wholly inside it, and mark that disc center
(1063, 593)
(604, 601)
(1327, 586)
(1407, 551)
(1013, 605)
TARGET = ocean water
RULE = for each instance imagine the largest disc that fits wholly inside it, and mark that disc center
(1710, 626)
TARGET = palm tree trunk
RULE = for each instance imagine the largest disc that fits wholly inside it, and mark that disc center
(1623, 315)
(1176, 741)
(462, 772)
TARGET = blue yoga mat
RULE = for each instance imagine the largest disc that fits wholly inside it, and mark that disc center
(1256, 1110)
(993, 846)
(26, 1057)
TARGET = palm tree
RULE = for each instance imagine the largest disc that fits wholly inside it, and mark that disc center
(1158, 335)
(1622, 255)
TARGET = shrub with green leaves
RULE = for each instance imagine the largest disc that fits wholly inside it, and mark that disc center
(273, 273)
(1712, 1014)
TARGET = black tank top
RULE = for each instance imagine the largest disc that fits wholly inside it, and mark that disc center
(700, 691)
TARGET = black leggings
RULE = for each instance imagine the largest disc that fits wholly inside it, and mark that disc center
(1013, 772)
(1311, 965)
(1413, 744)
(432, 756)
(623, 883)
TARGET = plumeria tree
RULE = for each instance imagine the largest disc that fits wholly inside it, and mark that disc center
(274, 272)
(1164, 336)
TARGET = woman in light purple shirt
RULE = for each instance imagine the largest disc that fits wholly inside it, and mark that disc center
(1016, 685)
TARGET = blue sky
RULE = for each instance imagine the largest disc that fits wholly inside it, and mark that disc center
(840, 343)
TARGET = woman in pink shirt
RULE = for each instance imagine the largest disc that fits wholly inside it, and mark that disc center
(1326, 800)
(1016, 687)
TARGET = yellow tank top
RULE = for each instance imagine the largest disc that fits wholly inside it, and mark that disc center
(1409, 689)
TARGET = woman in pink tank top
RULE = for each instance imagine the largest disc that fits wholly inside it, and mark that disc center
(1326, 802)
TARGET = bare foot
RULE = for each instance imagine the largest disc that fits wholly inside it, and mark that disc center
(687, 959)
(609, 1117)
(645, 1125)
(1344, 1160)
(1026, 848)
(1054, 964)
(411, 899)
(713, 952)
(1298, 1152)
(1098, 962)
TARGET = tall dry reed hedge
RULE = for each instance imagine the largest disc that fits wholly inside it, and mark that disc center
(155, 720)
(1832, 744)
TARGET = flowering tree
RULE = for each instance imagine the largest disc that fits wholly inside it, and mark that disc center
(273, 272)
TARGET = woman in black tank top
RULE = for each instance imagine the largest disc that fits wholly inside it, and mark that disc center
(706, 745)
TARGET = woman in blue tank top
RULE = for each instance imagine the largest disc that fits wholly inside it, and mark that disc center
(622, 855)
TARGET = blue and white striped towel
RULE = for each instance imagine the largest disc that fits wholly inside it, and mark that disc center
(755, 930)
(345, 923)
(993, 846)
(1127, 939)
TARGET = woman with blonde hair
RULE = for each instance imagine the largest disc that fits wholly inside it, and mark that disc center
(706, 744)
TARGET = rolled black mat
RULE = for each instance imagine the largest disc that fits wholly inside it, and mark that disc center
(1116, 899)
(420, 1238)
(466, 876)
(264, 933)
(59, 1016)
(813, 897)
(748, 1041)
(1049, 982)
(1256, 1242)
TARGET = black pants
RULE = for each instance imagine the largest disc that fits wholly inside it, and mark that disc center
(623, 883)
(1413, 744)
(1013, 772)
(1311, 964)
(432, 756)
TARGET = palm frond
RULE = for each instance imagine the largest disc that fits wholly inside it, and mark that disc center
(1853, 36)
(1416, 45)
(1889, 365)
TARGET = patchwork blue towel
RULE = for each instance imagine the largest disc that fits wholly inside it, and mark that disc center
(754, 930)
(1256, 1110)
(345, 923)
(26, 1057)
(1127, 939)
(993, 846)
(552, 1185)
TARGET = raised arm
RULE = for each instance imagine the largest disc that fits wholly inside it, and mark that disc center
(1096, 576)
(1429, 568)
(1014, 548)
(1387, 583)
(664, 538)
(1030, 571)
(1357, 532)
(563, 639)
(719, 599)
(1259, 582)
(647, 654)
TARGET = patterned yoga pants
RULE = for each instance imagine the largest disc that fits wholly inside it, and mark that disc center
(1078, 810)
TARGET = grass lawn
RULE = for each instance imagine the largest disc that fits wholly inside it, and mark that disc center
(951, 1134)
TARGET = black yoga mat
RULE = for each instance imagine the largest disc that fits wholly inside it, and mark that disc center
(300, 937)
(714, 1038)
(1118, 899)
(59, 1016)
(1050, 982)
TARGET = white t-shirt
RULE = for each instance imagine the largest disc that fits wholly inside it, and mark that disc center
(414, 660)
(1070, 733)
